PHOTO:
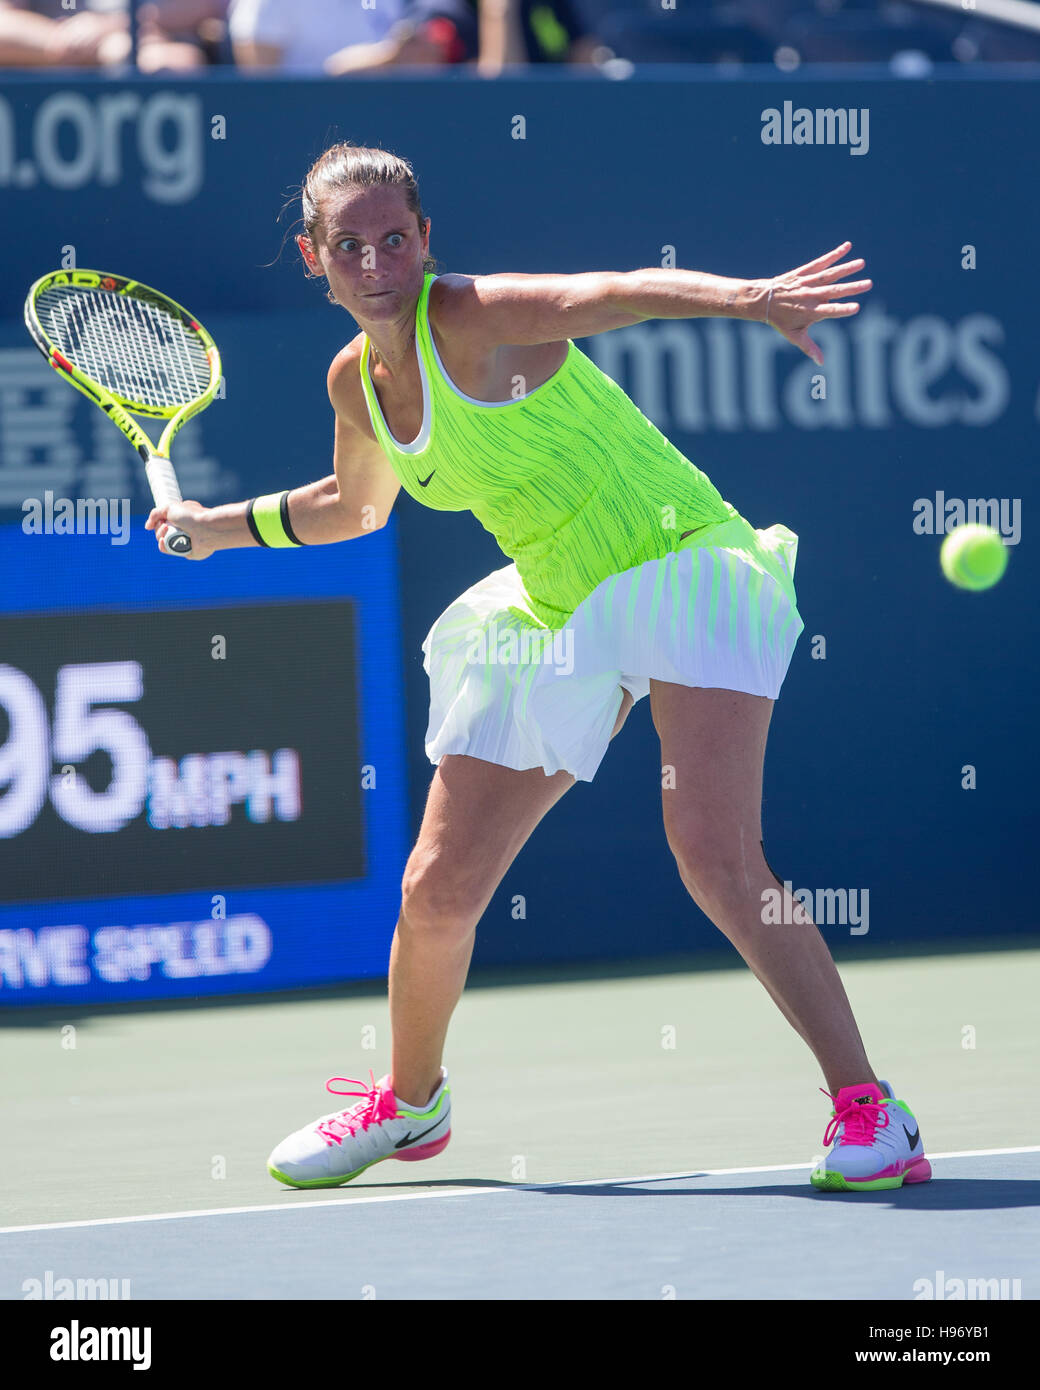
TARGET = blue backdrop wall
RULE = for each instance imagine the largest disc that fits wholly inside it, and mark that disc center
(902, 763)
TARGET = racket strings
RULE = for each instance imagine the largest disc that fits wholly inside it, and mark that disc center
(137, 350)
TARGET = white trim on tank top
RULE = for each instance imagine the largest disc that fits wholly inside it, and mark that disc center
(488, 405)
(422, 438)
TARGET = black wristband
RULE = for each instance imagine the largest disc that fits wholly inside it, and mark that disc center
(286, 524)
(253, 527)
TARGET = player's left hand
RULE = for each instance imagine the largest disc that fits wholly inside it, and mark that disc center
(804, 296)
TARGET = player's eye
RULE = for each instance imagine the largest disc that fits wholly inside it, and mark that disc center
(348, 242)
(398, 235)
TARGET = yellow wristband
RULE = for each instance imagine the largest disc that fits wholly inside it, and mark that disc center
(268, 519)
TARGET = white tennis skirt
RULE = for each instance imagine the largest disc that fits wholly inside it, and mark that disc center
(720, 612)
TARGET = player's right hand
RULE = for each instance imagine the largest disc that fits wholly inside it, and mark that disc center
(192, 518)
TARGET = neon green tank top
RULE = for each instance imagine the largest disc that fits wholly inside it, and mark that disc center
(572, 479)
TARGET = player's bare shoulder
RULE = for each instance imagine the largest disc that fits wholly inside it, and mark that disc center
(344, 383)
(481, 356)
(470, 347)
(454, 308)
(362, 469)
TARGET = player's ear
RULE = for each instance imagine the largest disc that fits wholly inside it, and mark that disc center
(307, 252)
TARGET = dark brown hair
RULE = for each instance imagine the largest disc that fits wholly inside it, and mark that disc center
(355, 166)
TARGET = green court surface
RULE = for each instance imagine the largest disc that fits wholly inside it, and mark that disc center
(175, 1109)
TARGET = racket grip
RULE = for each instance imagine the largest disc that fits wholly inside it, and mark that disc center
(165, 489)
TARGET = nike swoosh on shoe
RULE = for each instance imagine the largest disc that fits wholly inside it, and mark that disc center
(411, 1138)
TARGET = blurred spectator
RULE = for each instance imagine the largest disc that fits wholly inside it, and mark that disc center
(534, 31)
(202, 23)
(336, 37)
(339, 37)
(173, 35)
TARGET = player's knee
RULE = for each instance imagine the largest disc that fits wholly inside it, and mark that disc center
(714, 866)
(439, 900)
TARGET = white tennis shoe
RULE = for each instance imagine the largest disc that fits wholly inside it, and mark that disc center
(337, 1147)
(876, 1142)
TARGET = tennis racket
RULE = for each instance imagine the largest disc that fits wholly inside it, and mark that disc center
(131, 350)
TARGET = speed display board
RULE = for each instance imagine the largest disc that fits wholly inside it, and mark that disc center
(201, 768)
(228, 765)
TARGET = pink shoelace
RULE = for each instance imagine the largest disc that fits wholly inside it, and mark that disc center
(861, 1120)
(373, 1107)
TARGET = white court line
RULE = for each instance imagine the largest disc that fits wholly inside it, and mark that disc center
(463, 1190)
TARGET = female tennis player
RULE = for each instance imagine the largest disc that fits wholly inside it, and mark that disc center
(630, 576)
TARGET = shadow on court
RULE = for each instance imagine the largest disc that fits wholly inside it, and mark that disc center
(939, 1194)
(949, 1194)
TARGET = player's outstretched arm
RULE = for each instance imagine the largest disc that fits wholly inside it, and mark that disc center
(528, 309)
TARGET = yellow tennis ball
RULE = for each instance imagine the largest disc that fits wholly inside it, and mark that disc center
(973, 556)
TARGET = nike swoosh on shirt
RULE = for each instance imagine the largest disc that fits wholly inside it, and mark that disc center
(424, 481)
(411, 1138)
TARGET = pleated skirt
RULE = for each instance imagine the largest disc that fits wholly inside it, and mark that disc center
(718, 612)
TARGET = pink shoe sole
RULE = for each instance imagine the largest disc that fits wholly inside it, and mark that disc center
(424, 1150)
(919, 1171)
